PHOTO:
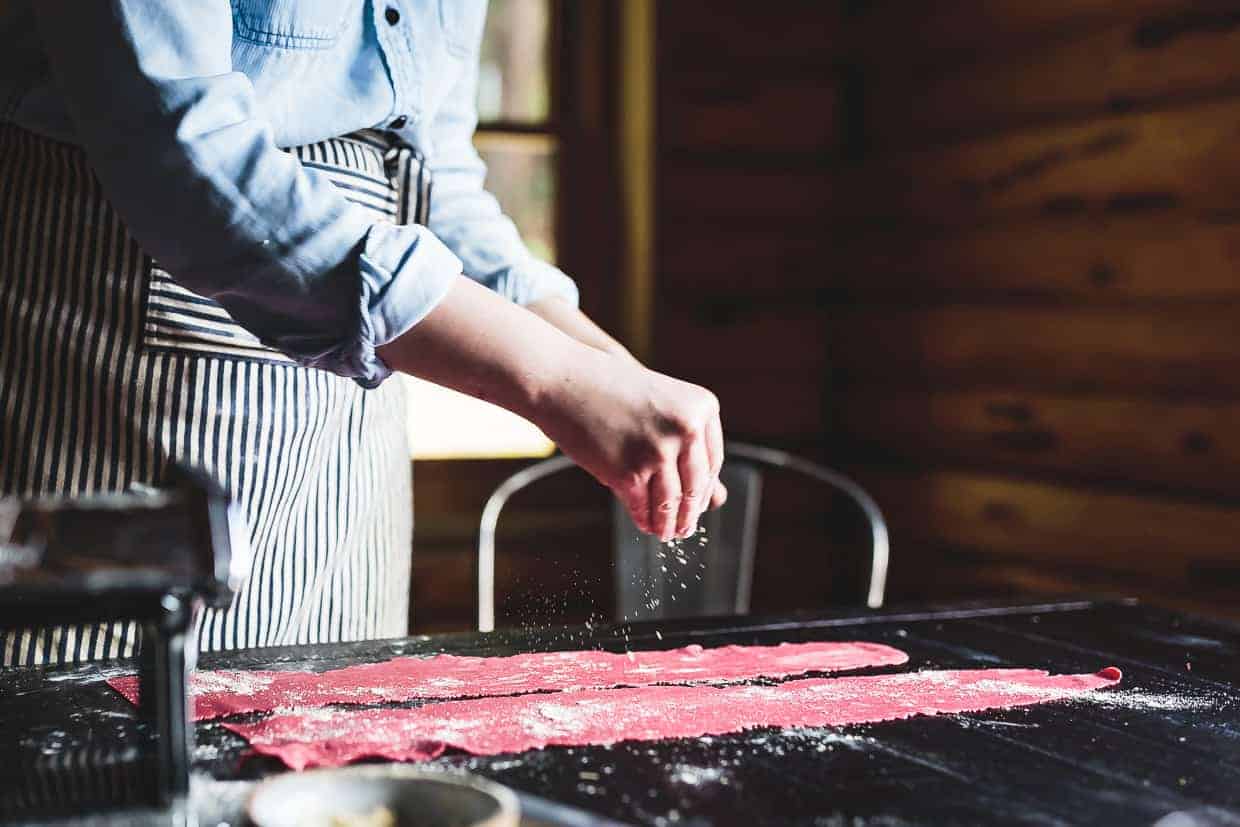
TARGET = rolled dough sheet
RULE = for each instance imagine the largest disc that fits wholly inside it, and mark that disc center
(450, 676)
(489, 726)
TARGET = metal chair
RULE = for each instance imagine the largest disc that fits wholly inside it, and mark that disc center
(720, 571)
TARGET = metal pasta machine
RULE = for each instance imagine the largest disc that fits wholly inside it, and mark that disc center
(149, 556)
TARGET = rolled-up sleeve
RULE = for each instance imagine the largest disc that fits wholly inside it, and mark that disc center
(469, 219)
(172, 133)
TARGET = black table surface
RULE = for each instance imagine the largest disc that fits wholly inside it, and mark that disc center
(1166, 742)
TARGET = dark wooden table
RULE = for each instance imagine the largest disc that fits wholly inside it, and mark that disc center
(1168, 741)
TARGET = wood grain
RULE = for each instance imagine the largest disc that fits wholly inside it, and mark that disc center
(996, 270)
(732, 109)
(998, 516)
(1111, 259)
(945, 573)
(1106, 259)
(750, 36)
(1127, 66)
(733, 195)
(1172, 445)
(1187, 159)
(1190, 352)
(930, 34)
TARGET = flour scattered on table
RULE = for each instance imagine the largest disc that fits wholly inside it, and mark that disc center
(1157, 701)
(217, 694)
(693, 776)
(514, 724)
(234, 683)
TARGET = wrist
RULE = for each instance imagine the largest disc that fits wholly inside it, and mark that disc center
(621, 352)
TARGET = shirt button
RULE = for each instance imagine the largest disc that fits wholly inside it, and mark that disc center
(399, 123)
(392, 16)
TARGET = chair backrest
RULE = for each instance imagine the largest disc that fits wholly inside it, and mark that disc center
(654, 580)
(710, 574)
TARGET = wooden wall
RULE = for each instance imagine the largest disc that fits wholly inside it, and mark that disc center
(984, 254)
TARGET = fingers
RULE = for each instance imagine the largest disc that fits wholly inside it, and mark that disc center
(664, 501)
(714, 444)
(696, 483)
(635, 496)
(715, 449)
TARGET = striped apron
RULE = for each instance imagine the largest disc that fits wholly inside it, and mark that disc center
(110, 371)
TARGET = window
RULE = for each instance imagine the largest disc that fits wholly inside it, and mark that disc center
(517, 139)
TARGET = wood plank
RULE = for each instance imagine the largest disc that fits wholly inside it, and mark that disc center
(722, 337)
(1185, 158)
(952, 574)
(696, 191)
(934, 33)
(737, 110)
(939, 574)
(1003, 517)
(1194, 351)
(1138, 63)
(960, 535)
(768, 261)
(1142, 257)
(731, 32)
(1191, 447)
(1109, 259)
(1192, 597)
(923, 34)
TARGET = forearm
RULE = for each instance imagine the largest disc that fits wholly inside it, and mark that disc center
(572, 321)
(481, 344)
(653, 440)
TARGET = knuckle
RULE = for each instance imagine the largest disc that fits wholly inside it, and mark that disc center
(666, 454)
(654, 452)
(657, 458)
(682, 425)
(632, 482)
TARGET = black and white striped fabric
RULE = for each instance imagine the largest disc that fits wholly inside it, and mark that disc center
(110, 371)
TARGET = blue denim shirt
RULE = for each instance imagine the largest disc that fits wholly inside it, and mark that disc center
(181, 106)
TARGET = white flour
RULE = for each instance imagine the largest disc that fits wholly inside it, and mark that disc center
(238, 683)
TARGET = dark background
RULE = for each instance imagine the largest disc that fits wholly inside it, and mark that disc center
(980, 253)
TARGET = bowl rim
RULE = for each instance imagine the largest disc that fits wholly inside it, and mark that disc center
(507, 812)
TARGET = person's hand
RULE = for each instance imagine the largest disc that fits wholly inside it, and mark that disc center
(655, 441)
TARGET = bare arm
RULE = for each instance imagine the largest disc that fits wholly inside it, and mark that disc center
(655, 441)
(572, 321)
